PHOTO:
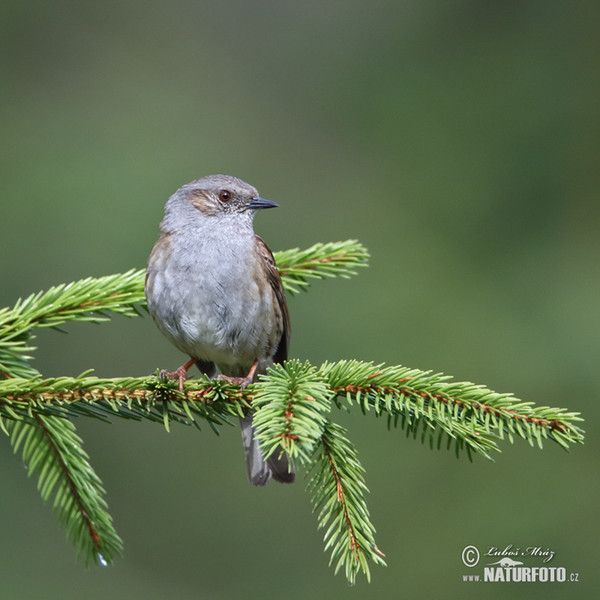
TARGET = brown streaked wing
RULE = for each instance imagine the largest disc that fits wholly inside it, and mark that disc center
(275, 282)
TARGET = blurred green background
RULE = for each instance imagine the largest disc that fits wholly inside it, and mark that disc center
(457, 140)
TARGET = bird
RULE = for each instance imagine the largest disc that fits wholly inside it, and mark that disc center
(214, 291)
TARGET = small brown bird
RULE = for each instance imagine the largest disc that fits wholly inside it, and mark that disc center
(214, 291)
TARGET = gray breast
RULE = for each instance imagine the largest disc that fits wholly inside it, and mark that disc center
(206, 299)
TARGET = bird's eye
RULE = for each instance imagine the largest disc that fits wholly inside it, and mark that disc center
(224, 196)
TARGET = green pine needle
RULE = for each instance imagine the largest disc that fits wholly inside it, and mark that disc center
(472, 416)
(334, 259)
(292, 405)
(338, 491)
(51, 449)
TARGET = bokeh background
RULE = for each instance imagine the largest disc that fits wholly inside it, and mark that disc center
(457, 140)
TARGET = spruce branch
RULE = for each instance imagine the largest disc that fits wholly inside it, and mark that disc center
(153, 398)
(333, 259)
(297, 396)
(292, 407)
(52, 449)
(91, 300)
(338, 491)
(471, 415)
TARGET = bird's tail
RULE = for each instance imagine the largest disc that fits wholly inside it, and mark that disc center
(260, 471)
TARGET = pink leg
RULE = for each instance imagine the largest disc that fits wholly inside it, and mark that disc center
(243, 382)
(180, 373)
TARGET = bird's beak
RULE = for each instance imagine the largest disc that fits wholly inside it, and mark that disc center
(258, 202)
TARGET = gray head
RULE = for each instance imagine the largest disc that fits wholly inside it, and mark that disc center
(213, 196)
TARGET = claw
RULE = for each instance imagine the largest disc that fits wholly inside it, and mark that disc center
(243, 382)
(179, 373)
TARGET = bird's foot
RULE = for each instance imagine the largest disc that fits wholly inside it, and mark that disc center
(179, 373)
(243, 382)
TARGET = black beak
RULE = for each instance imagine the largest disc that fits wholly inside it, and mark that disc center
(258, 202)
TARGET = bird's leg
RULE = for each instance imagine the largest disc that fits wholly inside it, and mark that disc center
(243, 382)
(179, 373)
